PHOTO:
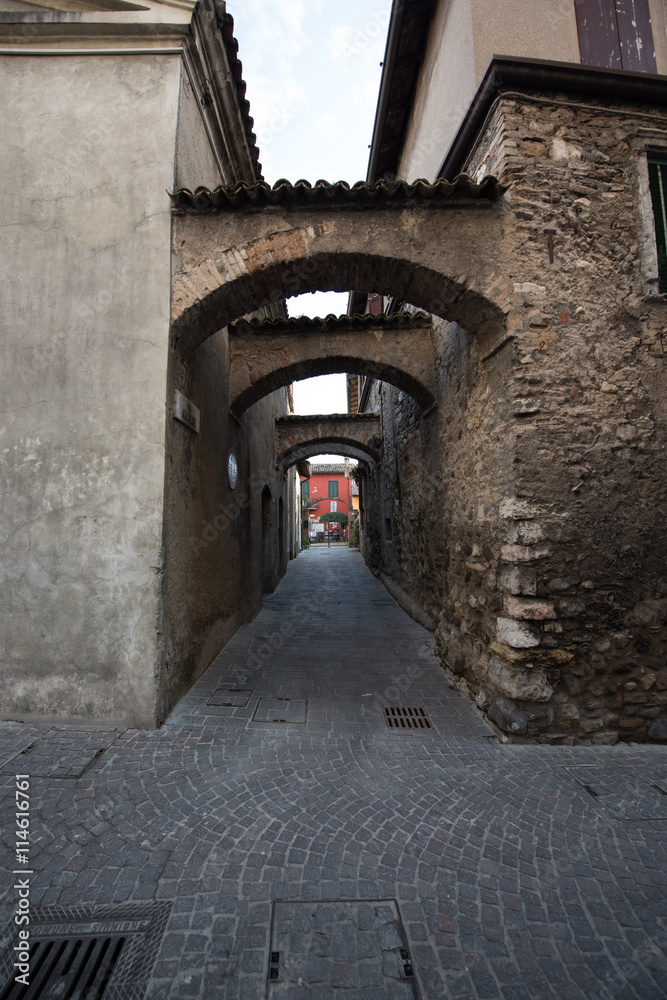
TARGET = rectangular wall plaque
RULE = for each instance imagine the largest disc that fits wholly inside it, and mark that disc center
(186, 412)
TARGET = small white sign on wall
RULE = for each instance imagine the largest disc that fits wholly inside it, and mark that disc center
(186, 412)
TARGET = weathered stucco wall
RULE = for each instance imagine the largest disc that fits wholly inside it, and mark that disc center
(542, 536)
(195, 163)
(87, 158)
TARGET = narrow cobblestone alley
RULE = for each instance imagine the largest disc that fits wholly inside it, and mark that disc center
(328, 856)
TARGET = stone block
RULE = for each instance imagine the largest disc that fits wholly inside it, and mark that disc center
(658, 730)
(519, 683)
(529, 532)
(519, 510)
(523, 553)
(531, 610)
(518, 579)
(508, 717)
(526, 406)
(516, 634)
(559, 584)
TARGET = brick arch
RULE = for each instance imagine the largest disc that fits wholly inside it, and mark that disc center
(448, 261)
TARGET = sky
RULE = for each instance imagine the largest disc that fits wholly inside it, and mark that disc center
(313, 73)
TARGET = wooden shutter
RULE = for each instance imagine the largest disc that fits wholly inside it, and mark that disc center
(636, 35)
(616, 33)
(597, 27)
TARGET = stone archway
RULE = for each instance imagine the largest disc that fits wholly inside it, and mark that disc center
(354, 435)
(266, 356)
(439, 247)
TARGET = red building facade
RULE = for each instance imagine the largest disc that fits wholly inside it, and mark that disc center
(329, 490)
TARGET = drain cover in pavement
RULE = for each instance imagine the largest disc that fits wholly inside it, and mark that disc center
(399, 717)
(91, 952)
(623, 790)
(280, 710)
(337, 950)
(60, 753)
(230, 697)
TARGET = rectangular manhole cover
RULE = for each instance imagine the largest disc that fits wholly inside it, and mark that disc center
(281, 710)
(339, 949)
(91, 952)
(60, 753)
(623, 790)
(400, 717)
(230, 697)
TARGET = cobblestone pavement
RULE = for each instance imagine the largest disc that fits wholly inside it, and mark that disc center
(327, 856)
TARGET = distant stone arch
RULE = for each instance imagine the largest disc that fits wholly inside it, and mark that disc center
(354, 435)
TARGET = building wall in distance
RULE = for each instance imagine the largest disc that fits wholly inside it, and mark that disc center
(464, 35)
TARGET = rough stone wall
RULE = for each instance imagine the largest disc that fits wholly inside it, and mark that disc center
(213, 533)
(550, 479)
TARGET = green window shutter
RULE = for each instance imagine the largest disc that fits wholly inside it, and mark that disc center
(333, 488)
(657, 175)
(305, 489)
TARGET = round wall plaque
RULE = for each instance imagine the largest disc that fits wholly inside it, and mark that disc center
(232, 470)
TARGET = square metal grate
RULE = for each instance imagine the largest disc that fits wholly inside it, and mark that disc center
(281, 710)
(401, 717)
(230, 697)
(339, 948)
(85, 952)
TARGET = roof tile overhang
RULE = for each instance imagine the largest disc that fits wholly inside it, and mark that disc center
(339, 194)
(329, 324)
(226, 25)
(548, 76)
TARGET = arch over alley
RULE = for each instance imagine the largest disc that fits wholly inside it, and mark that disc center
(438, 246)
(266, 356)
(354, 435)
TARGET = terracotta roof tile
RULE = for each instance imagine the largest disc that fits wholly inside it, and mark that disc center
(337, 195)
(324, 324)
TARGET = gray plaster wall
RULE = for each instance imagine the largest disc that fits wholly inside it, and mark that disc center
(87, 158)
(195, 163)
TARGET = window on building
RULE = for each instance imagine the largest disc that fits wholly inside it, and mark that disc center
(616, 33)
(305, 489)
(333, 488)
(657, 178)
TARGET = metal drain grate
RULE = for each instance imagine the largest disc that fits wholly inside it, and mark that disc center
(67, 968)
(399, 717)
(85, 952)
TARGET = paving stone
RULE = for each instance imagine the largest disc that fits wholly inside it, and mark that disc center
(493, 864)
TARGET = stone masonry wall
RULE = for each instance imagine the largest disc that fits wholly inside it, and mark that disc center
(528, 508)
